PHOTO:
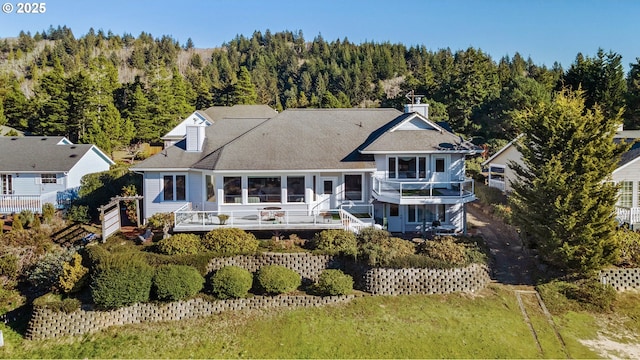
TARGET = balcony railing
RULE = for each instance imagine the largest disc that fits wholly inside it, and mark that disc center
(423, 189)
(630, 216)
(33, 203)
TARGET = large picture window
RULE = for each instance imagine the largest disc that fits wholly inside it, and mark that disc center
(295, 188)
(407, 167)
(175, 188)
(232, 189)
(266, 189)
(353, 187)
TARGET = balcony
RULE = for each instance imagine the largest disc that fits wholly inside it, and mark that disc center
(423, 192)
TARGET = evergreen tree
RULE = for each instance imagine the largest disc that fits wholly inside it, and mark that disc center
(139, 113)
(51, 104)
(245, 91)
(632, 110)
(563, 200)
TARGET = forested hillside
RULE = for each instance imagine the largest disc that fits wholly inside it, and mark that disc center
(113, 90)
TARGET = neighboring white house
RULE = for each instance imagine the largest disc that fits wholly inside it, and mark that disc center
(38, 169)
(627, 174)
(313, 169)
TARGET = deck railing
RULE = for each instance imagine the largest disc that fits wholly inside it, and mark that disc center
(267, 218)
(33, 203)
(630, 216)
(423, 189)
(498, 184)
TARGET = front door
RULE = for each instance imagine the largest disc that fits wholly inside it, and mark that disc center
(440, 170)
(327, 193)
(394, 218)
(6, 181)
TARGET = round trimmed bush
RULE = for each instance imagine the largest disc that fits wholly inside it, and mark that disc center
(277, 279)
(231, 282)
(445, 248)
(180, 244)
(336, 241)
(176, 282)
(378, 248)
(334, 282)
(121, 280)
(230, 241)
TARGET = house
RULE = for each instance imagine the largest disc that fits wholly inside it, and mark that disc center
(44, 169)
(313, 169)
(627, 174)
(207, 117)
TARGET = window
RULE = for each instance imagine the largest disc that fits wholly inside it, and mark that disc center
(394, 210)
(328, 187)
(211, 188)
(626, 194)
(440, 165)
(353, 187)
(232, 189)
(295, 188)
(266, 189)
(407, 168)
(422, 167)
(392, 168)
(496, 173)
(175, 188)
(48, 178)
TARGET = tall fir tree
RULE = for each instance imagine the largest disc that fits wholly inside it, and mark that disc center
(244, 91)
(51, 103)
(563, 200)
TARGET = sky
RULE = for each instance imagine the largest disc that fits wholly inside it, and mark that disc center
(548, 31)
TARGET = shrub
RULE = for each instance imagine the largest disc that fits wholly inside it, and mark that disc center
(93, 255)
(78, 213)
(176, 282)
(26, 217)
(378, 248)
(161, 221)
(502, 211)
(121, 280)
(628, 248)
(9, 266)
(199, 261)
(584, 294)
(446, 249)
(333, 282)
(180, 244)
(57, 303)
(277, 279)
(231, 282)
(230, 241)
(336, 241)
(418, 261)
(74, 275)
(16, 223)
(46, 272)
(48, 211)
(489, 195)
(36, 222)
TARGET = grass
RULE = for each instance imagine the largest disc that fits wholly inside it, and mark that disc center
(487, 325)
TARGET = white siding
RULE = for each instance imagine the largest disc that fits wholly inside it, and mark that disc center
(90, 163)
(152, 192)
(509, 154)
(630, 172)
(195, 190)
(456, 168)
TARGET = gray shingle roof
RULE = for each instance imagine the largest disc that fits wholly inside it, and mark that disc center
(301, 139)
(39, 154)
(216, 113)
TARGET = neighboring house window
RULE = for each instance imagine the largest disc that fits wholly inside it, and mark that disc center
(175, 188)
(267, 189)
(232, 189)
(496, 173)
(48, 178)
(295, 188)
(353, 187)
(211, 188)
(7, 184)
(626, 194)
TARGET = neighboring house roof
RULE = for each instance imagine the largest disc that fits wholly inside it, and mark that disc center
(42, 154)
(215, 113)
(504, 148)
(4, 130)
(303, 139)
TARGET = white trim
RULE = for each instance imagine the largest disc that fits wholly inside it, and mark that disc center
(627, 164)
(504, 148)
(362, 186)
(417, 115)
(381, 152)
(186, 186)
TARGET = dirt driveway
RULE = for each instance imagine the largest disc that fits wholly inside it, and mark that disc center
(512, 264)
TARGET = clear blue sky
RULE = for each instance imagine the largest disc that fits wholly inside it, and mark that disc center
(545, 30)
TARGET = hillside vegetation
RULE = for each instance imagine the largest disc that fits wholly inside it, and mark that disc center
(113, 90)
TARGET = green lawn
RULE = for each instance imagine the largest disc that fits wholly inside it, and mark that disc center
(488, 325)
